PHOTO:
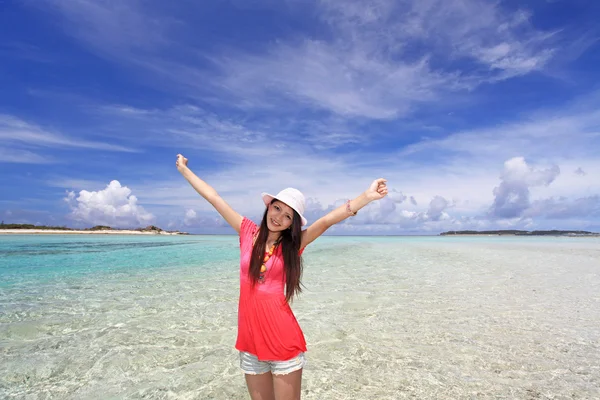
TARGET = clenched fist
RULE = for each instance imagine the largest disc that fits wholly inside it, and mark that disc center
(181, 162)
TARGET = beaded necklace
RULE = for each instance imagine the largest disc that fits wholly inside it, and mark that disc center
(268, 254)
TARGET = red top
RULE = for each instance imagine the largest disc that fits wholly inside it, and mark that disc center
(267, 326)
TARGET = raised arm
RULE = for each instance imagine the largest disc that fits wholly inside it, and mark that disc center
(377, 191)
(205, 190)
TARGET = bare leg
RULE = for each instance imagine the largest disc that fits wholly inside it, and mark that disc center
(260, 386)
(288, 387)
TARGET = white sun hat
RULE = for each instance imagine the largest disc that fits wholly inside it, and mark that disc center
(290, 196)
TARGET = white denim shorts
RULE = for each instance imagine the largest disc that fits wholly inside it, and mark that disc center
(250, 364)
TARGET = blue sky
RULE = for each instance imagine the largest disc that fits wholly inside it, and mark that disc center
(481, 115)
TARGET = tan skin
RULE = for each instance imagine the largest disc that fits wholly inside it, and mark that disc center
(279, 217)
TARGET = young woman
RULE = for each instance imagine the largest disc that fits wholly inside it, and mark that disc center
(270, 341)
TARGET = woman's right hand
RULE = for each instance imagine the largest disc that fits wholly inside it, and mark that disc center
(181, 162)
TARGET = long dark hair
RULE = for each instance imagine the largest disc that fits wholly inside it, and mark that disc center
(290, 242)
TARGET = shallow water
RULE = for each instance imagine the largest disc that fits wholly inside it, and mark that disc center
(384, 318)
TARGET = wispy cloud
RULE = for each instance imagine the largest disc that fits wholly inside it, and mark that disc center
(20, 156)
(503, 42)
(113, 28)
(237, 134)
(372, 70)
(348, 82)
(18, 136)
(366, 66)
(546, 134)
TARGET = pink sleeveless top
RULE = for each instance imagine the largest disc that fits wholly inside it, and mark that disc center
(267, 326)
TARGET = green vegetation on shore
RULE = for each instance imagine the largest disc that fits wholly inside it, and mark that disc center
(149, 228)
(515, 232)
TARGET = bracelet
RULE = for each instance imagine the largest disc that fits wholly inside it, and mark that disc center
(352, 213)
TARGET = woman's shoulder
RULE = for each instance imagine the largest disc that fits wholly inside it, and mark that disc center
(248, 227)
(248, 222)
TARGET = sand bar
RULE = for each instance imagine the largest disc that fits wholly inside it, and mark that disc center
(76, 232)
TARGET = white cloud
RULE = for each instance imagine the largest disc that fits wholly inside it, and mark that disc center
(511, 197)
(408, 214)
(516, 170)
(468, 181)
(114, 206)
(241, 185)
(396, 196)
(465, 162)
(206, 221)
(464, 170)
(436, 208)
(190, 216)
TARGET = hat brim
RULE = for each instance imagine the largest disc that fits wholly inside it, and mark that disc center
(268, 198)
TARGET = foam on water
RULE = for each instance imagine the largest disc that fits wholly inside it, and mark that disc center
(384, 318)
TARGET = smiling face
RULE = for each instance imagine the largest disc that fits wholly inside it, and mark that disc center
(279, 216)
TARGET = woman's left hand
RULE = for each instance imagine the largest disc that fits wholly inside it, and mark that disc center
(378, 190)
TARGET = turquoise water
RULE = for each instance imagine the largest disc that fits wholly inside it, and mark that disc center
(25, 259)
(128, 317)
(31, 258)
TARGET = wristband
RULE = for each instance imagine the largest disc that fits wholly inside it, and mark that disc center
(352, 213)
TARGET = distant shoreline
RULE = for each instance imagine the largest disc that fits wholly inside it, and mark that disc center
(553, 233)
(519, 236)
(88, 232)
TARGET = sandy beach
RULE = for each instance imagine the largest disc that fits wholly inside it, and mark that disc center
(75, 232)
